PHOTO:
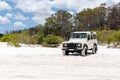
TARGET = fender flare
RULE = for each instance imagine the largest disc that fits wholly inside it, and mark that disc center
(85, 45)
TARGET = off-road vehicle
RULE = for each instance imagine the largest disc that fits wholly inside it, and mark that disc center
(80, 42)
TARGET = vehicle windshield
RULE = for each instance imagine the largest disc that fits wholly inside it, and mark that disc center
(78, 35)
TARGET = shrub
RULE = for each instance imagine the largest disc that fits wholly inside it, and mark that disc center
(34, 39)
(117, 36)
(110, 38)
(40, 39)
(105, 36)
(6, 38)
(10, 38)
(44, 44)
(51, 39)
(14, 43)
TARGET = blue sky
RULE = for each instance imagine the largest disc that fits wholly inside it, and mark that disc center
(21, 14)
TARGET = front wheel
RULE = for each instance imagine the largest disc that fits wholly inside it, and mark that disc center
(84, 51)
(65, 52)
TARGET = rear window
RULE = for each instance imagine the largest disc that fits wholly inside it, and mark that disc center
(94, 36)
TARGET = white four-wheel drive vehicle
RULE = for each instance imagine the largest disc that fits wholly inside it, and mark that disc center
(80, 42)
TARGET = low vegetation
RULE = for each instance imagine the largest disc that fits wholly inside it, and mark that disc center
(109, 37)
(103, 36)
(11, 39)
(52, 41)
(24, 37)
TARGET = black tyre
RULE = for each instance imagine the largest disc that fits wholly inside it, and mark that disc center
(84, 51)
(94, 50)
(65, 52)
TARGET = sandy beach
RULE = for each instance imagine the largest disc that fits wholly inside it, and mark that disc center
(42, 63)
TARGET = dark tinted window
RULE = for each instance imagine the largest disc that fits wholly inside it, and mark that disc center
(78, 35)
(94, 36)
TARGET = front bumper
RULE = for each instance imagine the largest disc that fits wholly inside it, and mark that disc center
(72, 50)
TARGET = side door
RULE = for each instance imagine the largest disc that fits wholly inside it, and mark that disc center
(90, 41)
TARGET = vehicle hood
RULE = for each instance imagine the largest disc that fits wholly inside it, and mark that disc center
(76, 41)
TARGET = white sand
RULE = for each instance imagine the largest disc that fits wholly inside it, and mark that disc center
(38, 63)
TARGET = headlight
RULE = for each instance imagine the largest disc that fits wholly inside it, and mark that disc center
(79, 45)
(64, 45)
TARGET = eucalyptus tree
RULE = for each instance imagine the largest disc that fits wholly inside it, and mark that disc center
(58, 23)
(100, 17)
(92, 19)
(114, 17)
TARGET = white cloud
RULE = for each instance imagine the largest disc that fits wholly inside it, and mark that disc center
(4, 6)
(4, 20)
(9, 15)
(20, 16)
(39, 8)
(71, 12)
(19, 24)
(77, 5)
(39, 19)
(43, 8)
(34, 6)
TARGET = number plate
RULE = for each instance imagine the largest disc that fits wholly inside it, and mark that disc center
(71, 49)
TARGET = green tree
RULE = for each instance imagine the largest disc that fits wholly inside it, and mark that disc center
(92, 19)
(114, 17)
(58, 23)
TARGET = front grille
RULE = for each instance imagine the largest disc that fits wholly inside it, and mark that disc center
(71, 45)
